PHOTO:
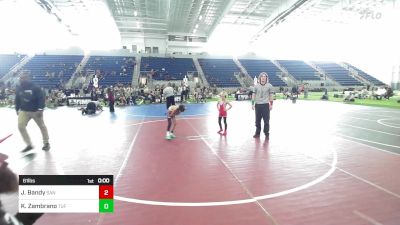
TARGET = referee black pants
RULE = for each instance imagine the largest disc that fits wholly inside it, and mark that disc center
(262, 112)
(170, 101)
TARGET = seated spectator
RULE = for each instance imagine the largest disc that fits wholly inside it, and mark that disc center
(350, 97)
(389, 93)
(379, 93)
(122, 100)
(325, 96)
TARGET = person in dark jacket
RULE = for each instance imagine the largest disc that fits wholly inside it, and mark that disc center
(111, 99)
(29, 104)
(91, 108)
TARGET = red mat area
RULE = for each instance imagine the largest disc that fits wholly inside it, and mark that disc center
(200, 166)
(177, 170)
(335, 201)
(187, 170)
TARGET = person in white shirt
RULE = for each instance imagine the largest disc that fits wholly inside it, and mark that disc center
(173, 111)
(169, 95)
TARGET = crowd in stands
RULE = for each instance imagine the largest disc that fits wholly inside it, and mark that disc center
(124, 66)
(377, 93)
(63, 69)
(163, 75)
(167, 68)
(124, 94)
(127, 95)
(7, 94)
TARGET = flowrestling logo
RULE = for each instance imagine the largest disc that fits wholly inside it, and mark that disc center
(368, 10)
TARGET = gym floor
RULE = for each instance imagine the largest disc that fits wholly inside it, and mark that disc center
(325, 163)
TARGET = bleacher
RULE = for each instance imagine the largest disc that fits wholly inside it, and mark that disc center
(367, 76)
(338, 73)
(112, 69)
(220, 72)
(167, 68)
(48, 70)
(7, 62)
(299, 70)
(255, 67)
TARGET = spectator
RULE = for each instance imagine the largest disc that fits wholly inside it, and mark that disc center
(111, 99)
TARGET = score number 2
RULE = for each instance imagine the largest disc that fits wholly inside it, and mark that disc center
(106, 192)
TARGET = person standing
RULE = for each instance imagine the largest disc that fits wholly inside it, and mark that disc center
(29, 104)
(95, 82)
(223, 106)
(111, 99)
(169, 95)
(262, 100)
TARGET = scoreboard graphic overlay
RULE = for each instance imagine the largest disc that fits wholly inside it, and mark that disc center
(66, 194)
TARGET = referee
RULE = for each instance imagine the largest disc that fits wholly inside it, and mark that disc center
(262, 100)
(169, 95)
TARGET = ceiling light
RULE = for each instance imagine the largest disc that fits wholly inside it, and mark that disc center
(135, 13)
(200, 17)
(197, 25)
